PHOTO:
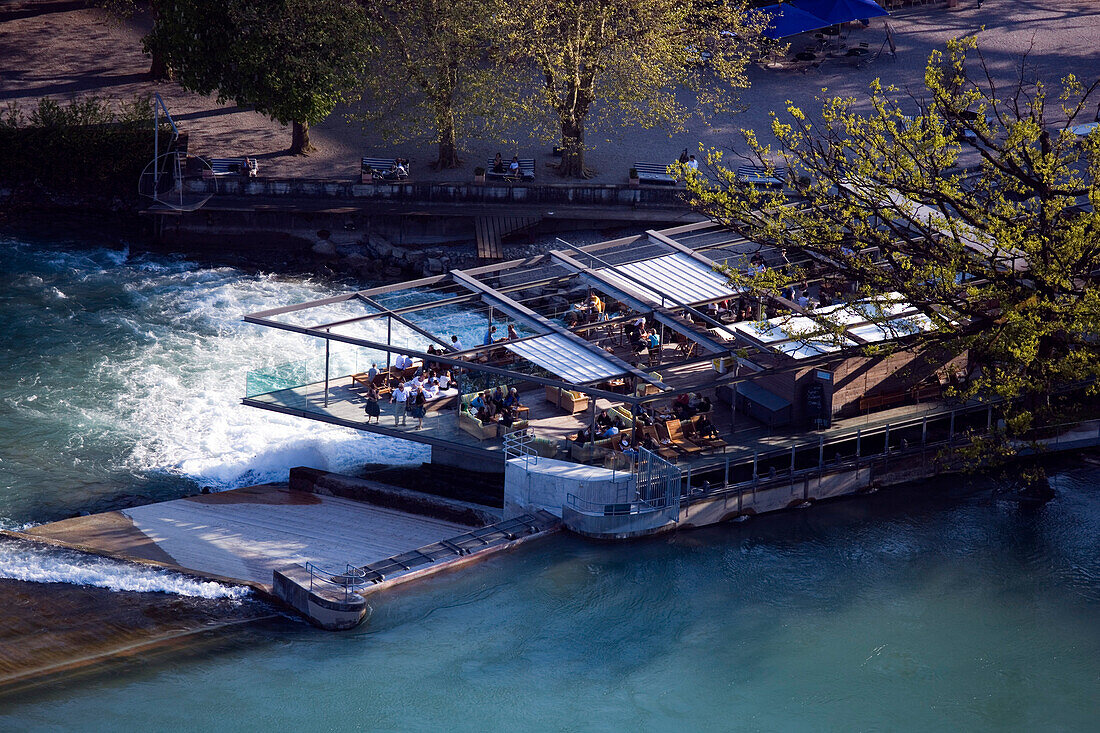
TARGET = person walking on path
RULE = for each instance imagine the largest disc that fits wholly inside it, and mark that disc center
(400, 400)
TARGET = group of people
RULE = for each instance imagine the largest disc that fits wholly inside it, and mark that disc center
(689, 404)
(497, 405)
(502, 168)
(591, 310)
(409, 397)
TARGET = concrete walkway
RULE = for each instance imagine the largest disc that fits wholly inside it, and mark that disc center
(244, 534)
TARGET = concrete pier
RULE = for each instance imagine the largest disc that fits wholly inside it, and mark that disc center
(290, 544)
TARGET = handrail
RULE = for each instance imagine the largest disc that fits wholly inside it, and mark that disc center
(351, 577)
(517, 444)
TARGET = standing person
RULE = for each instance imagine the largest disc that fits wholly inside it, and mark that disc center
(490, 336)
(418, 409)
(372, 405)
(400, 401)
(372, 373)
(684, 156)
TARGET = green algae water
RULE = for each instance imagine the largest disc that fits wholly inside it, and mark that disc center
(942, 606)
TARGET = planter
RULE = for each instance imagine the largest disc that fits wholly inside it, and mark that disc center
(479, 178)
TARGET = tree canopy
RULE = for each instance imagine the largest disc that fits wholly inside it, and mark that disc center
(973, 203)
(293, 60)
(622, 62)
(431, 74)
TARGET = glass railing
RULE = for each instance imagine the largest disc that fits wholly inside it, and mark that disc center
(311, 370)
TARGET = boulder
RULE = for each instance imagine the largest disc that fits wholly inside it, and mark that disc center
(434, 266)
(324, 248)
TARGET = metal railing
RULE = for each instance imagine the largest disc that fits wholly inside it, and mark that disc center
(517, 444)
(351, 577)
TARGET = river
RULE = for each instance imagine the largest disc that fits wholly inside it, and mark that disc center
(939, 606)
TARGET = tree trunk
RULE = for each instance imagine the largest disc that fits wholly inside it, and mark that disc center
(299, 142)
(572, 150)
(448, 147)
(158, 68)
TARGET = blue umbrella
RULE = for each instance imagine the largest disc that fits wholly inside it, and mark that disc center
(787, 20)
(840, 11)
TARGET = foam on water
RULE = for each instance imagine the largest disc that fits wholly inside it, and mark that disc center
(51, 565)
(158, 363)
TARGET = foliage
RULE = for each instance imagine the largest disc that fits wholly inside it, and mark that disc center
(622, 62)
(1000, 256)
(293, 60)
(430, 75)
(87, 146)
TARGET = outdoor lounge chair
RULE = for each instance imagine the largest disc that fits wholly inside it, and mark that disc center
(655, 173)
(692, 433)
(672, 430)
(663, 449)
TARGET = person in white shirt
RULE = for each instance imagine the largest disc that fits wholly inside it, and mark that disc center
(400, 400)
(692, 163)
(444, 380)
(456, 345)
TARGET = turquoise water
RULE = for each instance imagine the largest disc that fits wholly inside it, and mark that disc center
(939, 607)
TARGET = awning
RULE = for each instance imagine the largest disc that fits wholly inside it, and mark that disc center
(787, 20)
(840, 11)
(669, 280)
(564, 357)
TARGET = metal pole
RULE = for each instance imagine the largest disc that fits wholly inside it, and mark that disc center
(924, 431)
(726, 481)
(389, 335)
(156, 149)
(952, 433)
(820, 452)
(989, 419)
(326, 372)
(859, 443)
(886, 443)
(793, 449)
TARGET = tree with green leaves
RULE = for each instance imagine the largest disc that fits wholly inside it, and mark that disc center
(621, 62)
(431, 75)
(293, 60)
(973, 203)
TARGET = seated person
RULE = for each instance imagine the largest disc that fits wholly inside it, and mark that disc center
(609, 431)
(653, 341)
(512, 335)
(706, 428)
(640, 344)
(627, 449)
(511, 401)
(401, 168)
(431, 391)
(603, 421)
(497, 398)
(479, 407)
(444, 378)
(581, 437)
(498, 163)
(513, 167)
(507, 417)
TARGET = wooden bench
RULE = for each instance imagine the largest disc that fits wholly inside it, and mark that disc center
(526, 170)
(374, 169)
(654, 173)
(232, 167)
(760, 176)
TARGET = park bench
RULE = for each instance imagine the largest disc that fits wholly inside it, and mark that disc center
(372, 169)
(526, 170)
(757, 175)
(654, 173)
(232, 167)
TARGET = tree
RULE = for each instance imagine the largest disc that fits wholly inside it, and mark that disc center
(293, 60)
(1001, 256)
(122, 9)
(430, 75)
(626, 60)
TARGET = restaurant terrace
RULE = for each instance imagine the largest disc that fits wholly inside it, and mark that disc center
(635, 342)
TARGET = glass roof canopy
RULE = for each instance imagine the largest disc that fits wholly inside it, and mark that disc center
(667, 276)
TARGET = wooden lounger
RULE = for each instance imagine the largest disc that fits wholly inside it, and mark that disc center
(672, 430)
(692, 433)
(664, 451)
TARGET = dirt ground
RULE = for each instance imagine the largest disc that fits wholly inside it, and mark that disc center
(61, 49)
